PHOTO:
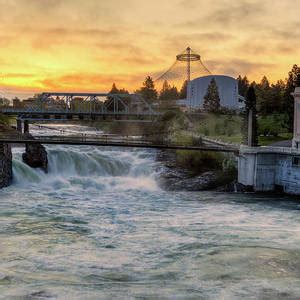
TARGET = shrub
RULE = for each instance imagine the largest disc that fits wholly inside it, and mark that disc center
(198, 162)
(220, 125)
(272, 125)
(4, 119)
(229, 166)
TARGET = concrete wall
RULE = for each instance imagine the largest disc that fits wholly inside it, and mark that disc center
(246, 168)
(258, 170)
(265, 170)
(288, 175)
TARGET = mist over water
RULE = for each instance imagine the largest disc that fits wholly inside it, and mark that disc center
(97, 226)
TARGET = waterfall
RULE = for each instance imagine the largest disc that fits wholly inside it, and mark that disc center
(88, 168)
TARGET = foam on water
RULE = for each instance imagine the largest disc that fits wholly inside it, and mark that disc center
(89, 168)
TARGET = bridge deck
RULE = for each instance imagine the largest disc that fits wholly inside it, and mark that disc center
(114, 142)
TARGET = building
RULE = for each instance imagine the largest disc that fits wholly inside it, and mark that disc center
(227, 88)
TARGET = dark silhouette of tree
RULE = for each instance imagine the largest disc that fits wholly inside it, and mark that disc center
(115, 90)
(263, 92)
(276, 97)
(243, 85)
(250, 107)
(183, 90)
(288, 99)
(168, 92)
(164, 91)
(212, 98)
(298, 81)
(148, 90)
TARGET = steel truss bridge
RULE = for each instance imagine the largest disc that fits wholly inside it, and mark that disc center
(116, 141)
(89, 106)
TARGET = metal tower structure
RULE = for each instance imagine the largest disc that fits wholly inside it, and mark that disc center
(187, 66)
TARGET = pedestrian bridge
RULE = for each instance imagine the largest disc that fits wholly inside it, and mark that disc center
(108, 140)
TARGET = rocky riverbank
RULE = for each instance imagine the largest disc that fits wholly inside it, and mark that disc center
(35, 156)
(174, 178)
(5, 165)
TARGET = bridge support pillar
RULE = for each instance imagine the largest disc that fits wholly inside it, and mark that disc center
(19, 125)
(26, 126)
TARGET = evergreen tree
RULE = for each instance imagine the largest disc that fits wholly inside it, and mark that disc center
(174, 95)
(288, 99)
(243, 85)
(276, 97)
(298, 80)
(250, 105)
(114, 89)
(212, 98)
(164, 91)
(264, 96)
(168, 92)
(183, 90)
(123, 91)
(148, 90)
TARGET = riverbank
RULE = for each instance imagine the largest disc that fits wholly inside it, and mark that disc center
(175, 177)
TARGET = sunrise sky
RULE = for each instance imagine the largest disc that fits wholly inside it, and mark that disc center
(86, 45)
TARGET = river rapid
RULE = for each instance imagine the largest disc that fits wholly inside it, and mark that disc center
(97, 226)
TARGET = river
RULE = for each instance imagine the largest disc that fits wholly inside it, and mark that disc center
(97, 226)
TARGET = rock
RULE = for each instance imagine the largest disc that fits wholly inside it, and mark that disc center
(180, 182)
(174, 178)
(5, 165)
(235, 187)
(35, 156)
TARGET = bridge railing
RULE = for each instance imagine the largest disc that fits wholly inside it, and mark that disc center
(85, 103)
(112, 141)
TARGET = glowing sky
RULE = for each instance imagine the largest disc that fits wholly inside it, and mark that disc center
(85, 45)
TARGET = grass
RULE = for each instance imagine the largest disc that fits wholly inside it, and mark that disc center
(262, 140)
(268, 140)
(235, 139)
(227, 128)
(223, 127)
(5, 120)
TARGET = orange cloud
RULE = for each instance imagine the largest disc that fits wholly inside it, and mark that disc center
(87, 45)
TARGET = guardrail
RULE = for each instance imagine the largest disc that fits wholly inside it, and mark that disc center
(271, 150)
(111, 141)
(74, 112)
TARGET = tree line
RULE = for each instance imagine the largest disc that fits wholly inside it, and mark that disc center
(151, 94)
(272, 103)
(274, 100)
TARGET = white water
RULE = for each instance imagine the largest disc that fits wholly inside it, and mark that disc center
(88, 169)
(97, 226)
